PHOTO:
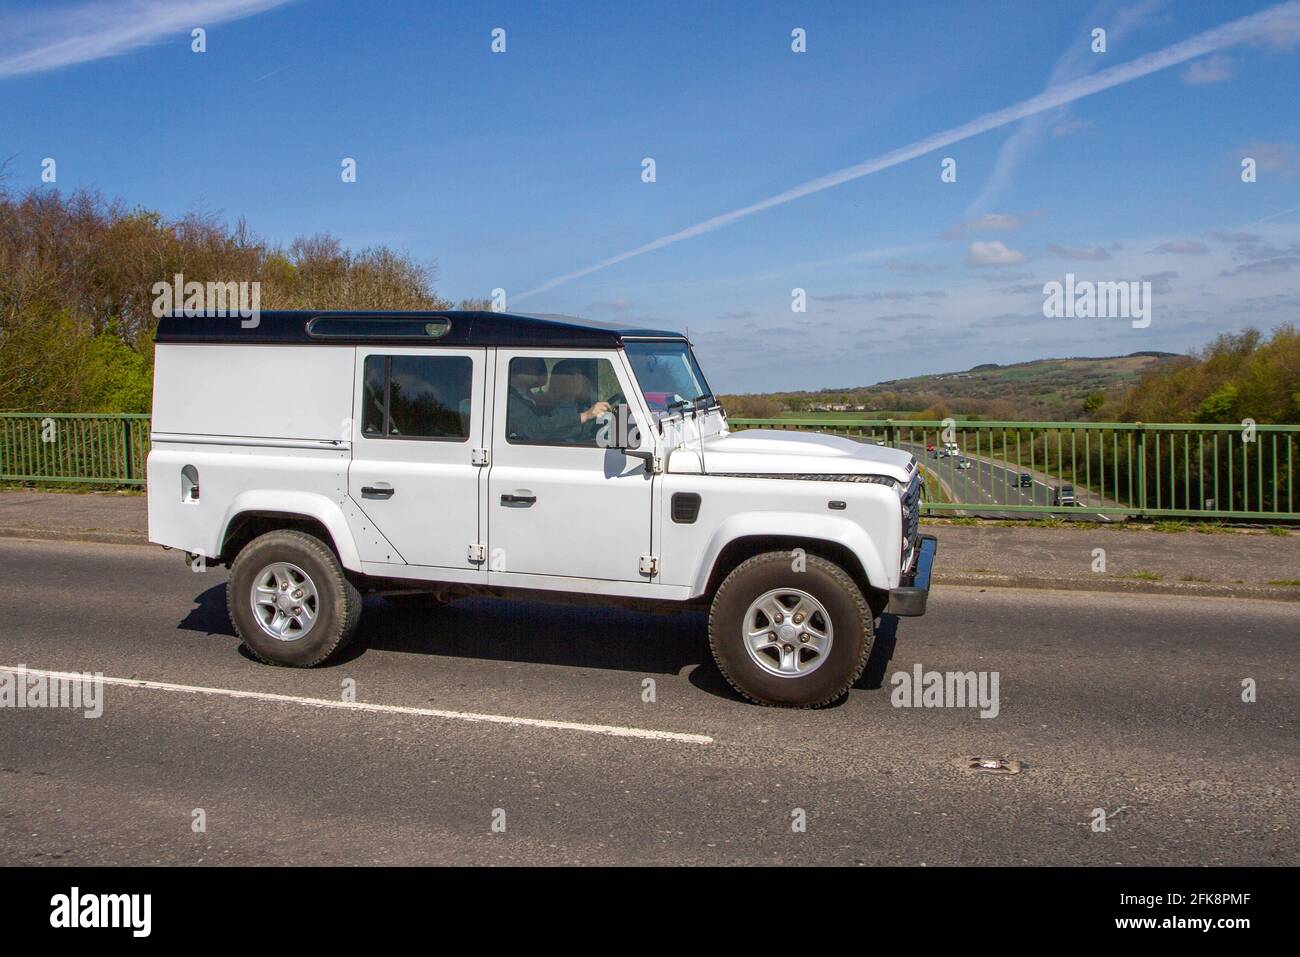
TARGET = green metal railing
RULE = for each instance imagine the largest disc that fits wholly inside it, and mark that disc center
(73, 447)
(1114, 468)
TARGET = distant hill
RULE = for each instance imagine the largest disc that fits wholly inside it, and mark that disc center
(1041, 389)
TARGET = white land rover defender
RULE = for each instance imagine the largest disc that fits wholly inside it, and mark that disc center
(322, 456)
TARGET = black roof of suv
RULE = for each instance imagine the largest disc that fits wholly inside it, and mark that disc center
(446, 328)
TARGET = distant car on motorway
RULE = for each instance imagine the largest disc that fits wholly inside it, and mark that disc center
(1026, 480)
(930, 447)
(1064, 496)
(964, 463)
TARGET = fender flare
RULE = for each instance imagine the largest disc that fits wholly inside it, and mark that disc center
(825, 528)
(307, 504)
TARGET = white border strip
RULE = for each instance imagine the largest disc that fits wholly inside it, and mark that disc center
(182, 438)
(615, 731)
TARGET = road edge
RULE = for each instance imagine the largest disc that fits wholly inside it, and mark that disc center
(94, 536)
(1124, 586)
(1104, 585)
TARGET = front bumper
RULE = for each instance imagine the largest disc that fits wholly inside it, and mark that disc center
(908, 600)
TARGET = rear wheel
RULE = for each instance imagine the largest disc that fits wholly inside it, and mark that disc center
(290, 600)
(786, 637)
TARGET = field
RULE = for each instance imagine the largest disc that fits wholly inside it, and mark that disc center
(1045, 389)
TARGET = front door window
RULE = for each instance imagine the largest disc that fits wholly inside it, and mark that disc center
(559, 401)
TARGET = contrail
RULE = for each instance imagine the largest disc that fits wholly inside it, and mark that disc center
(94, 30)
(1230, 34)
(1281, 212)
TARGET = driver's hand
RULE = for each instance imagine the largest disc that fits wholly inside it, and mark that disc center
(600, 408)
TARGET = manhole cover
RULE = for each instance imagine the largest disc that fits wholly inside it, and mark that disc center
(992, 765)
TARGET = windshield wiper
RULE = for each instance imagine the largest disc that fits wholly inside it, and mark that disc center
(700, 402)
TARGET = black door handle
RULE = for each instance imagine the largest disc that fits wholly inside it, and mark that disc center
(370, 491)
(518, 499)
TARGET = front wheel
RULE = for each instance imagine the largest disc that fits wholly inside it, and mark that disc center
(786, 637)
(290, 600)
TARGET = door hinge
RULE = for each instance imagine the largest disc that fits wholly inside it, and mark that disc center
(477, 554)
(649, 564)
(479, 457)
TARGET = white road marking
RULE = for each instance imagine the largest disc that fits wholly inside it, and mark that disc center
(615, 731)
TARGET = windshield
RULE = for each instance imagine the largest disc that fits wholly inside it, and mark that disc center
(669, 376)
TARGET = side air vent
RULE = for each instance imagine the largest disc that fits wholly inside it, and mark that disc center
(686, 507)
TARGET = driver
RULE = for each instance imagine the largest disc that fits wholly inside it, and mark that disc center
(564, 422)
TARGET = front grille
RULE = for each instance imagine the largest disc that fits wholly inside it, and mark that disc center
(911, 504)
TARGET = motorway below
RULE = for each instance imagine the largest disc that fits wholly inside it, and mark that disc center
(1131, 703)
(990, 481)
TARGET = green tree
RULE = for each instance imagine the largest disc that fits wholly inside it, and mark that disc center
(76, 290)
(1220, 405)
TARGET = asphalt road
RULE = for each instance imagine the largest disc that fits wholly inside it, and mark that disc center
(1127, 703)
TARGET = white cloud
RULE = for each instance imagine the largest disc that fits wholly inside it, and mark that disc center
(610, 305)
(992, 254)
(1160, 281)
(1279, 264)
(1079, 252)
(995, 221)
(1281, 158)
(988, 223)
(1213, 69)
(63, 36)
(915, 268)
(905, 316)
(1281, 37)
(1183, 247)
(1072, 126)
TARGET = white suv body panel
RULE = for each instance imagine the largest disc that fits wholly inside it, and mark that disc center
(774, 452)
(241, 478)
(432, 516)
(735, 508)
(591, 518)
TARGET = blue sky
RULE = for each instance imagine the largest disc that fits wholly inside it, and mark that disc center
(517, 169)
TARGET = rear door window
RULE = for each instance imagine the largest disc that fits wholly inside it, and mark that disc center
(417, 397)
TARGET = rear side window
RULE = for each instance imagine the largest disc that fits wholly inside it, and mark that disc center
(417, 397)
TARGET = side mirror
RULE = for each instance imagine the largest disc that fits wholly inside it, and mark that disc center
(646, 455)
